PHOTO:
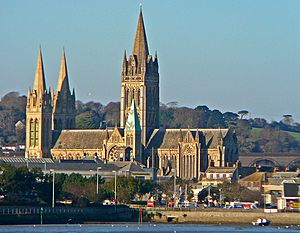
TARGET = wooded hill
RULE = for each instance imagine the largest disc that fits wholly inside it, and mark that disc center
(254, 134)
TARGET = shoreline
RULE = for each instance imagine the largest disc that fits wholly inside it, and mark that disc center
(224, 217)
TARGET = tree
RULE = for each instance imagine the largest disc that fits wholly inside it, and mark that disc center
(236, 192)
(230, 119)
(243, 113)
(204, 114)
(87, 120)
(216, 120)
(288, 119)
(112, 114)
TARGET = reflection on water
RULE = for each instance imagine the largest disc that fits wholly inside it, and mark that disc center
(147, 228)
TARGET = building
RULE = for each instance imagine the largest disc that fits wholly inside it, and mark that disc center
(217, 175)
(254, 181)
(50, 123)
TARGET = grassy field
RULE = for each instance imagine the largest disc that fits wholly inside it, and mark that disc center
(255, 132)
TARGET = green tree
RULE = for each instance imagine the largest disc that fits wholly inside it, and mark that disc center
(88, 120)
(216, 120)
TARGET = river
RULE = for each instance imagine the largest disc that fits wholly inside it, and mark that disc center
(147, 228)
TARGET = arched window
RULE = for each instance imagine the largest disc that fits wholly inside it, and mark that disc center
(138, 97)
(128, 97)
(31, 130)
(133, 94)
(36, 132)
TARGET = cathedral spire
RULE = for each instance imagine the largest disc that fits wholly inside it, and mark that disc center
(39, 79)
(140, 47)
(63, 81)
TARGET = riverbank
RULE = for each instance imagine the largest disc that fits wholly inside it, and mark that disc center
(221, 216)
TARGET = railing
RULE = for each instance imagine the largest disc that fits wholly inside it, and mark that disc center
(23, 210)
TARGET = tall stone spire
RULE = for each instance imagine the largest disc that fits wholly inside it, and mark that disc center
(39, 79)
(63, 81)
(140, 47)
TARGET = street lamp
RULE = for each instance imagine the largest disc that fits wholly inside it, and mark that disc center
(53, 197)
(98, 168)
(115, 187)
(220, 190)
(45, 166)
(174, 194)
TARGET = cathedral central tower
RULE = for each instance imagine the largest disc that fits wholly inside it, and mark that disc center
(140, 82)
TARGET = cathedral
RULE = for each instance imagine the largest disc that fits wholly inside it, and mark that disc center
(51, 132)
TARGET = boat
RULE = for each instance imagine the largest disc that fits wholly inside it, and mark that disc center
(261, 222)
(171, 218)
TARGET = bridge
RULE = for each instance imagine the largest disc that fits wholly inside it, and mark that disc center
(290, 161)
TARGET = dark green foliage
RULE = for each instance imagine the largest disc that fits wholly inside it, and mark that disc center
(216, 120)
(21, 186)
(112, 114)
(87, 120)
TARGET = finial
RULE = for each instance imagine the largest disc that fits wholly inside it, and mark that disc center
(141, 5)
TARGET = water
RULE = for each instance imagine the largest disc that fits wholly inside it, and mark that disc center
(147, 228)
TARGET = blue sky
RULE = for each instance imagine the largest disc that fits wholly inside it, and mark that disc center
(226, 54)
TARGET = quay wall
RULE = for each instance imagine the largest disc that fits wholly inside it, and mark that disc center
(226, 216)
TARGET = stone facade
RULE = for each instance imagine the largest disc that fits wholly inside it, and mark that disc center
(44, 115)
(140, 82)
(38, 116)
(139, 138)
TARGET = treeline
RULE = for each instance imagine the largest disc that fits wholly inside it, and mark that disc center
(21, 186)
(254, 135)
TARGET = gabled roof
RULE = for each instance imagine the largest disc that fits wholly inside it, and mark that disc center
(132, 167)
(169, 138)
(81, 139)
(256, 176)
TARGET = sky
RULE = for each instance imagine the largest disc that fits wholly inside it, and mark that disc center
(230, 55)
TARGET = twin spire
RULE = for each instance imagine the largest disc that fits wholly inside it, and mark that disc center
(39, 80)
(63, 81)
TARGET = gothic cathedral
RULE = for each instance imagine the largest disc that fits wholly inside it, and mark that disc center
(50, 121)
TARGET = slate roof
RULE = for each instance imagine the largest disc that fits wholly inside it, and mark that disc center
(220, 169)
(169, 138)
(256, 176)
(61, 165)
(132, 167)
(81, 139)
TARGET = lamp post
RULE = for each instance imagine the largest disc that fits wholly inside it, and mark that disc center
(53, 196)
(45, 166)
(98, 168)
(220, 190)
(174, 194)
(115, 187)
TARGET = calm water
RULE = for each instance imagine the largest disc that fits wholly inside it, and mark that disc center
(126, 228)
